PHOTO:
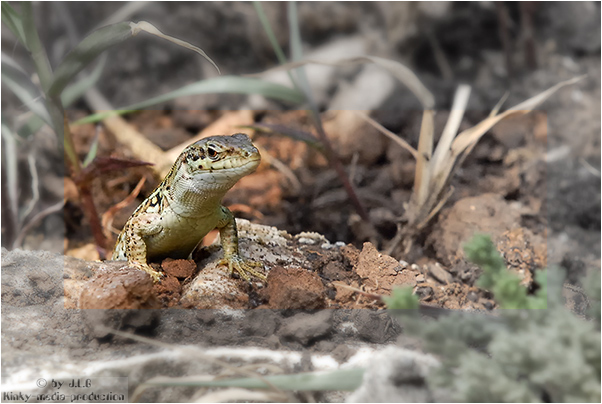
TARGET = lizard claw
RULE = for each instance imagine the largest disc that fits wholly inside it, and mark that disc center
(243, 267)
(155, 275)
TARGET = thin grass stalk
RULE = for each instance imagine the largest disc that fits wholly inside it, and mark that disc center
(400, 141)
(265, 23)
(303, 85)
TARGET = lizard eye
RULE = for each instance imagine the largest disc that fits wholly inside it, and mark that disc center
(211, 152)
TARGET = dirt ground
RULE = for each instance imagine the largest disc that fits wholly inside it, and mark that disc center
(532, 183)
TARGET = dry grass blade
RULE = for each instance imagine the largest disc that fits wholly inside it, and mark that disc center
(472, 135)
(499, 104)
(398, 70)
(593, 170)
(151, 29)
(451, 127)
(425, 149)
(388, 133)
(466, 140)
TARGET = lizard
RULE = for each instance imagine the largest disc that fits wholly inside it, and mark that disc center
(186, 206)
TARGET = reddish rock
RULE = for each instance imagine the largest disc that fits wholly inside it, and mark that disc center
(179, 268)
(128, 288)
(295, 288)
(381, 272)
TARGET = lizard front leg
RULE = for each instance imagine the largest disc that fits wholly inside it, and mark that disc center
(146, 224)
(229, 239)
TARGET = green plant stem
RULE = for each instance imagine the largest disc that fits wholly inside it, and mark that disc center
(302, 84)
(269, 32)
(272, 38)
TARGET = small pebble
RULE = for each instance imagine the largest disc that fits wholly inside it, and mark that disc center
(420, 278)
(415, 267)
(403, 264)
(326, 246)
(305, 240)
(340, 244)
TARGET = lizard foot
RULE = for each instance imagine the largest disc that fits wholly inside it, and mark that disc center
(156, 276)
(243, 267)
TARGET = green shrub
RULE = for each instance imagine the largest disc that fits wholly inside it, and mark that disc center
(531, 350)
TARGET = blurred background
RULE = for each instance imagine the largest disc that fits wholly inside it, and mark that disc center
(495, 47)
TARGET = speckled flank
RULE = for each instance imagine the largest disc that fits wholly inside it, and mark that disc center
(186, 205)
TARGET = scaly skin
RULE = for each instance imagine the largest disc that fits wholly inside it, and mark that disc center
(186, 206)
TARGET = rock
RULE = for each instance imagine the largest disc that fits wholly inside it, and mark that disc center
(372, 326)
(487, 213)
(261, 323)
(381, 271)
(31, 277)
(295, 288)
(520, 255)
(179, 268)
(396, 375)
(122, 296)
(129, 288)
(306, 328)
(440, 274)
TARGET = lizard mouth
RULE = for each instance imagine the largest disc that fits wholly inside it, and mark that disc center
(226, 172)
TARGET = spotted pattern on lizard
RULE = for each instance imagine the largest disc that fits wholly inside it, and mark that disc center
(186, 206)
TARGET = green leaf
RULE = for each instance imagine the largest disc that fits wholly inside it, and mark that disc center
(227, 84)
(10, 169)
(13, 21)
(347, 380)
(294, 32)
(86, 51)
(15, 78)
(76, 90)
(69, 95)
(31, 126)
(93, 118)
(92, 152)
(269, 32)
(101, 40)
(151, 29)
(33, 43)
(223, 84)
(296, 45)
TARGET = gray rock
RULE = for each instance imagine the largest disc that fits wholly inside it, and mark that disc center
(396, 375)
(306, 328)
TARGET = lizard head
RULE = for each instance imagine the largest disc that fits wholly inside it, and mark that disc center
(220, 160)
